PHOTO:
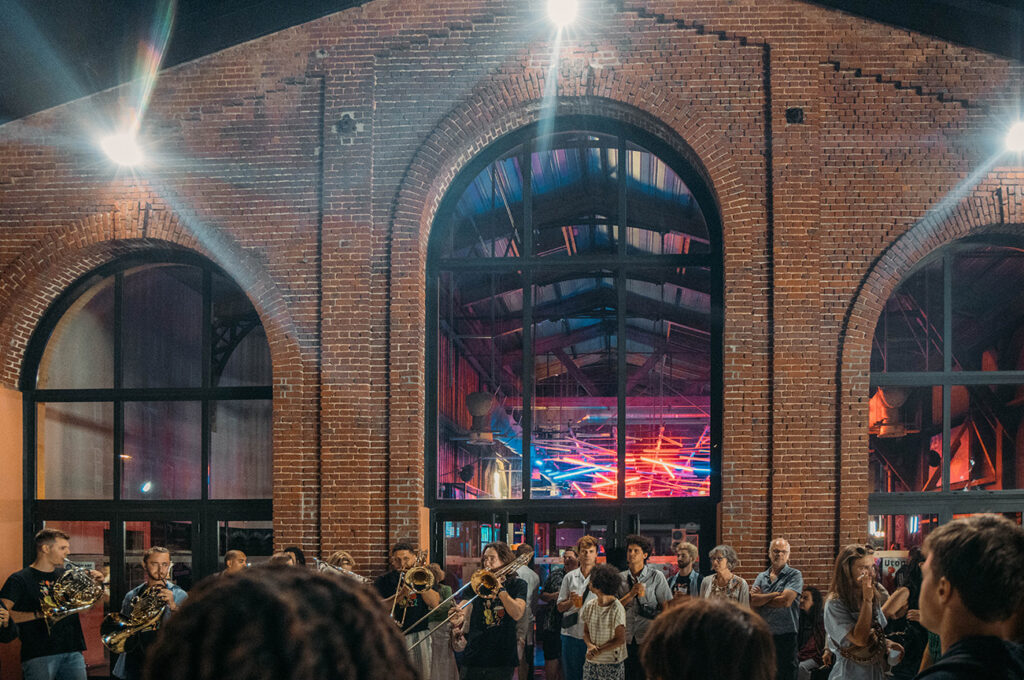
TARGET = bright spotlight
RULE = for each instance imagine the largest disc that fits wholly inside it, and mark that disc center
(122, 148)
(562, 12)
(1015, 137)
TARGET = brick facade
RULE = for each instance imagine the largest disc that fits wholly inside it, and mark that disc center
(309, 164)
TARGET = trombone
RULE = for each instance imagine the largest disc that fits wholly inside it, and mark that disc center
(418, 578)
(328, 568)
(485, 585)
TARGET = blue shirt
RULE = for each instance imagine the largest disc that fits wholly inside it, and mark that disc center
(120, 670)
(781, 620)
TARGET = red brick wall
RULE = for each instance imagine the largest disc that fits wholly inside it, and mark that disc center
(328, 232)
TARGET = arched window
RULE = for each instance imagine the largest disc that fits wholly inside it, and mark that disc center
(574, 305)
(148, 421)
(947, 389)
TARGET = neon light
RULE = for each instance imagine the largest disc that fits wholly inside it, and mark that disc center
(578, 489)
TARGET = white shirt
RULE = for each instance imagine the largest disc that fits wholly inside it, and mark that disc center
(524, 626)
(575, 582)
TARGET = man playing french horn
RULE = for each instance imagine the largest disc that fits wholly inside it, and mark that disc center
(158, 590)
(44, 600)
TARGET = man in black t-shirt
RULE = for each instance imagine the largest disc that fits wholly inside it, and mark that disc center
(491, 652)
(408, 605)
(45, 655)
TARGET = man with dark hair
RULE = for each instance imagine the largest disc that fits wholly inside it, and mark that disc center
(281, 623)
(156, 562)
(57, 652)
(491, 649)
(550, 629)
(407, 605)
(524, 626)
(647, 594)
(296, 552)
(973, 582)
(774, 596)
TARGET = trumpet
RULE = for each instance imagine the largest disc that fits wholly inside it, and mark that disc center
(485, 585)
(74, 591)
(328, 568)
(147, 610)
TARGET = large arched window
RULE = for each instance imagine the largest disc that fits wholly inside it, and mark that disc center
(947, 392)
(147, 389)
(574, 313)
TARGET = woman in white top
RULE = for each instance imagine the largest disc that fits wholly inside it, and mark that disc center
(723, 583)
(854, 622)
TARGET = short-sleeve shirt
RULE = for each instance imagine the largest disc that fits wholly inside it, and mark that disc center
(686, 585)
(491, 637)
(26, 590)
(552, 621)
(781, 620)
(642, 610)
(601, 622)
(839, 623)
(525, 623)
(574, 582)
(737, 589)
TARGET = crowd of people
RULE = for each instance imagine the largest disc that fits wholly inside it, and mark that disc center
(956, 610)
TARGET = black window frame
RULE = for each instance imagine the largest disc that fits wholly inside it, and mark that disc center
(203, 512)
(622, 512)
(947, 502)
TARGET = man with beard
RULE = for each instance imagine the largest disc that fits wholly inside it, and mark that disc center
(686, 581)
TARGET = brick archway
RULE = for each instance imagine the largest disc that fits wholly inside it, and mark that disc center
(994, 206)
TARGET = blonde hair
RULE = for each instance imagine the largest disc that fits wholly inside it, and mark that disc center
(338, 557)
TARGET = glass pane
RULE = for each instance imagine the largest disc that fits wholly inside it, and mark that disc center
(665, 537)
(254, 538)
(488, 218)
(80, 352)
(662, 216)
(905, 427)
(163, 307)
(90, 548)
(575, 195)
(575, 387)
(240, 449)
(176, 536)
(908, 336)
(985, 437)
(899, 532)
(463, 547)
(479, 440)
(75, 451)
(988, 306)
(668, 383)
(240, 353)
(162, 456)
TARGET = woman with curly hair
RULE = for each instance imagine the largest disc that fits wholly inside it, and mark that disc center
(854, 622)
(279, 623)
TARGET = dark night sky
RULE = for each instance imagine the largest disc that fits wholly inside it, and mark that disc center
(52, 51)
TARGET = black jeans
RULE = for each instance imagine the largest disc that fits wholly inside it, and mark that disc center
(634, 669)
(785, 656)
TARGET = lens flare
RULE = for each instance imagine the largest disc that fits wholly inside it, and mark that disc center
(1015, 137)
(122, 148)
(562, 12)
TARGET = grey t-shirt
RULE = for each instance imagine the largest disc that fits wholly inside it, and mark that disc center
(781, 620)
(839, 622)
(641, 611)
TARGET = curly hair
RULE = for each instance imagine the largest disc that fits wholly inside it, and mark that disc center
(279, 623)
(702, 638)
(645, 544)
(606, 579)
(726, 551)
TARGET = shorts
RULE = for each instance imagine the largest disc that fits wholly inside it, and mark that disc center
(552, 644)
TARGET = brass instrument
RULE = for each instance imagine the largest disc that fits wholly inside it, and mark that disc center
(418, 578)
(329, 568)
(485, 585)
(116, 631)
(76, 590)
